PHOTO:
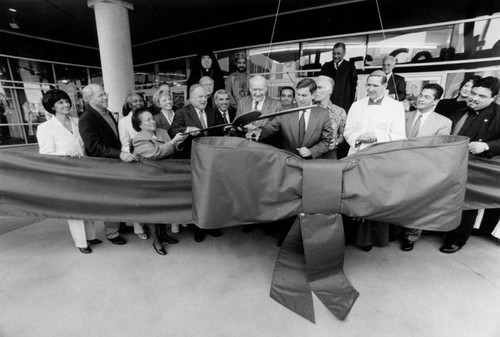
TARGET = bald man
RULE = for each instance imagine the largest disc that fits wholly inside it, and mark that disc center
(258, 100)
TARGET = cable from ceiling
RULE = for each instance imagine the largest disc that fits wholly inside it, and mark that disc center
(274, 28)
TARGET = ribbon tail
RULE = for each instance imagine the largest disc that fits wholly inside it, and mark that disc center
(289, 286)
(323, 239)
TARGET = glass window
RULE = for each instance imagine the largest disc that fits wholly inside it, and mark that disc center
(280, 61)
(145, 76)
(172, 72)
(409, 46)
(317, 53)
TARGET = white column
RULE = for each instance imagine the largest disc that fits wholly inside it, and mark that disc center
(115, 48)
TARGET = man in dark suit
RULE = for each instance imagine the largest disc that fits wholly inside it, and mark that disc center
(221, 101)
(482, 125)
(345, 76)
(307, 133)
(192, 118)
(99, 132)
(396, 85)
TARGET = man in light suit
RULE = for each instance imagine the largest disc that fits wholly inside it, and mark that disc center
(307, 133)
(422, 123)
(258, 100)
(99, 132)
(396, 85)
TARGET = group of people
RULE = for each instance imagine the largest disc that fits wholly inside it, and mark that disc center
(157, 132)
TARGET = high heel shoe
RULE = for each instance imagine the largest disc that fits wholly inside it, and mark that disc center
(160, 251)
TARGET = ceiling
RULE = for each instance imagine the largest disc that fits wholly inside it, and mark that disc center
(162, 29)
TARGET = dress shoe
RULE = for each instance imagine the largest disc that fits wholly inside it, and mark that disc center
(94, 242)
(168, 239)
(160, 251)
(118, 240)
(85, 250)
(450, 248)
(366, 248)
(199, 235)
(215, 233)
(407, 245)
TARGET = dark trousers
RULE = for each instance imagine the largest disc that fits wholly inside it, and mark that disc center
(461, 234)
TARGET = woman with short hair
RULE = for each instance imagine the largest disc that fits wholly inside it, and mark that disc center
(60, 136)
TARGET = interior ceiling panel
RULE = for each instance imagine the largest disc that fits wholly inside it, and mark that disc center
(163, 29)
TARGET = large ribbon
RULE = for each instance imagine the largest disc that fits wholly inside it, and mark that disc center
(418, 184)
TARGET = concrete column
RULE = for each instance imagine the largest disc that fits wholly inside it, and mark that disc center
(115, 49)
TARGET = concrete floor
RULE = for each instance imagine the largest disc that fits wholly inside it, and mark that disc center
(221, 288)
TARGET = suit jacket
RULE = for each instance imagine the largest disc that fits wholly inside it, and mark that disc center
(270, 106)
(317, 137)
(54, 138)
(231, 112)
(486, 128)
(187, 116)
(447, 107)
(398, 90)
(346, 80)
(150, 148)
(162, 123)
(434, 125)
(99, 138)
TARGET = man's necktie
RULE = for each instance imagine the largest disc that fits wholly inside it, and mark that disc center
(255, 107)
(302, 128)
(202, 120)
(416, 126)
(224, 115)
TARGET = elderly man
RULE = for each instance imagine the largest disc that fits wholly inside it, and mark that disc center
(424, 122)
(345, 76)
(337, 114)
(208, 83)
(192, 118)
(481, 123)
(99, 132)
(221, 101)
(307, 133)
(373, 119)
(258, 100)
(237, 82)
(395, 84)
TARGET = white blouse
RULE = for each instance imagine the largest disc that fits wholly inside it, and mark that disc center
(54, 138)
(126, 132)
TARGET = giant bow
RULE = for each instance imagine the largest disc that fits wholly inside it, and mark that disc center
(417, 184)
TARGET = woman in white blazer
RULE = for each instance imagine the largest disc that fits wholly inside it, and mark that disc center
(59, 136)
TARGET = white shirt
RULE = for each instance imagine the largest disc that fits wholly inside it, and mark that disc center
(169, 117)
(202, 115)
(425, 115)
(126, 132)
(225, 116)
(386, 121)
(307, 113)
(54, 138)
(259, 105)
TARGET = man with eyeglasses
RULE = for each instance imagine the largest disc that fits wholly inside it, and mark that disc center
(481, 123)
(373, 119)
(99, 132)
